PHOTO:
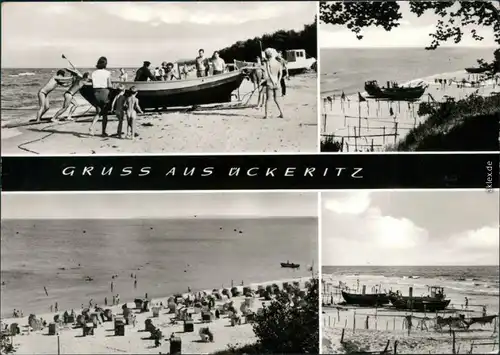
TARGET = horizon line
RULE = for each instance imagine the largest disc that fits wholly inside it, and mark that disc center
(157, 218)
(464, 265)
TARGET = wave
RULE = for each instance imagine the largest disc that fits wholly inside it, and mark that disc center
(28, 73)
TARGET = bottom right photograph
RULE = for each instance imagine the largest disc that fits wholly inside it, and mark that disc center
(410, 272)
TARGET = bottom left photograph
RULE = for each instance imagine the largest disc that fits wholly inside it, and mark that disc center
(199, 273)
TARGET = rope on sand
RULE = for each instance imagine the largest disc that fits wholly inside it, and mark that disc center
(21, 146)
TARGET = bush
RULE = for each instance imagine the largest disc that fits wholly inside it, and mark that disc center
(329, 144)
(290, 324)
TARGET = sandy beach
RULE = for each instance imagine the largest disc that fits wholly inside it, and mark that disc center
(370, 329)
(205, 130)
(136, 339)
(377, 125)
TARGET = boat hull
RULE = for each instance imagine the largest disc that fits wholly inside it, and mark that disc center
(366, 300)
(475, 70)
(177, 93)
(395, 94)
(290, 266)
(419, 304)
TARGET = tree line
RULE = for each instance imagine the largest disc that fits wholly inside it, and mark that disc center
(280, 40)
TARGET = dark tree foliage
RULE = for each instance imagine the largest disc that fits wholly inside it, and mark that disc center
(454, 16)
(466, 125)
(290, 325)
(329, 144)
(281, 40)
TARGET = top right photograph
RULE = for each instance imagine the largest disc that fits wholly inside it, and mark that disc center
(411, 76)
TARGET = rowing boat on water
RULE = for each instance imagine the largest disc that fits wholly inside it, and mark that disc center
(178, 93)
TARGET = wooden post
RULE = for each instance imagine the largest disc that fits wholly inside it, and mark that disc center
(383, 135)
(324, 123)
(363, 290)
(355, 140)
(354, 322)
(58, 345)
(394, 323)
(342, 146)
(342, 336)
(395, 347)
(345, 323)
(359, 118)
(395, 132)
(372, 146)
(454, 351)
(387, 325)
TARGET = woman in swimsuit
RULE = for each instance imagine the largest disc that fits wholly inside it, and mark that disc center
(43, 99)
(69, 95)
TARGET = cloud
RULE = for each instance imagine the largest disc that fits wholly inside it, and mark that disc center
(202, 13)
(485, 238)
(394, 233)
(376, 228)
(355, 203)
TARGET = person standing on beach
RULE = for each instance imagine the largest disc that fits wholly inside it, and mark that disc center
(273, 70)
(143, 73)
(118, 107)
(105, 301)
(201, 64)
(112, 287)
(56, 308)
(132, 106)
(69, 96)
(218, 63)
(135, 283)
(43, 95)
(466, 302)
(101, 83)
(123, 75)
(284, 73)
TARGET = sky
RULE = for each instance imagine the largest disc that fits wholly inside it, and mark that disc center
(35, 34)
(412, 32)
(158, 205)
(410, 228)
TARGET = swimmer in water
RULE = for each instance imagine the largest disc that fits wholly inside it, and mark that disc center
(132, 106)
(69, 96)
(43, 100)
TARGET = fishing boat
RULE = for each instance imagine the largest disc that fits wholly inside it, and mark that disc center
(435, 302)
(476, 70)
(297, 62)
(290, 265)
(178, 93)
(394, 92)
(366, 300)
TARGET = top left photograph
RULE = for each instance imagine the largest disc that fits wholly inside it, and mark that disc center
(122, 78)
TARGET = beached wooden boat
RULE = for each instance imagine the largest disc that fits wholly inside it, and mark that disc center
(396, 93)
(435, 302)
(476, 70)
(290, 265)
(419, 304)
(366, 300)
(178, 93)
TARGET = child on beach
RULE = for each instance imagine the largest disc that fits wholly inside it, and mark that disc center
(118, 107)
(273, 70)
(132, 107)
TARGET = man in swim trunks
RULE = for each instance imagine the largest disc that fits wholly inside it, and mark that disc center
(201, 64)
(69, 96)
(273, 72)
(43, 100)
